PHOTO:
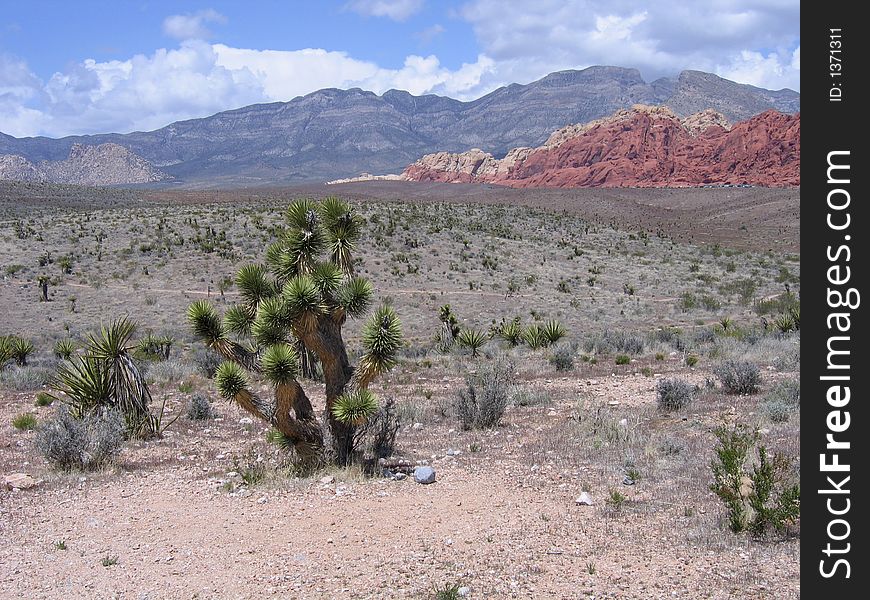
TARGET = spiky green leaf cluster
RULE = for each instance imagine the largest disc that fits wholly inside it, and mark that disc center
(553, 331)
(472, 339)
(534, 337)
(230, 379)
(64, 348)
(280, 364)
(382, 337)
(355, 408)
(85, 383)
(205, 321)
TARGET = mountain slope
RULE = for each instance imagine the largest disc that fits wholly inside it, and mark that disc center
(643, 147)
(335, 133)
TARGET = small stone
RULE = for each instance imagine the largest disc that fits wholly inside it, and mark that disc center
(454, 452)
(20, 481)
(552, 413)
(464, 591)
(584, 499)
(448, 542)
(628, 481)
(623, 422)
(417, 426)
(329, 541)
(764, 431)
(613, 403)
(262, 500)
(424, 475)
(246, 421)
(327, 480)
(399, 476)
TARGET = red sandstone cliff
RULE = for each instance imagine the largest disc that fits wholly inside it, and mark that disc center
(642, 147)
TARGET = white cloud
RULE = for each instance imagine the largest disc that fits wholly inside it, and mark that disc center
(430, 33)
(528, 40)
(192, 26)
(397, 10)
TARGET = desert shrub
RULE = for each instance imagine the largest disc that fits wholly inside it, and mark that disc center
(482, 403)
(553, 331)
(472, 339)
(783, 400)
(24, 421)
(622, 359)
(12, 346)
(671, 336)
(64, 348)
(534, 337)
(381, 429)
(207, 362)
(674, 394)
(757, 499)
(562, 357)
(691, 360)
(169, 371)
(85, 444)
(529, 396)
(705, 336)
(199, 408)
(44, 399)
(610, 341)
(25, 379)
(512, 332)
(152, 347)
(738, 376)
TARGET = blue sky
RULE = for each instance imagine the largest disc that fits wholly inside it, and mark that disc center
(98, 66)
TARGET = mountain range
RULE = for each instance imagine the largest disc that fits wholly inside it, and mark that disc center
(334, 133)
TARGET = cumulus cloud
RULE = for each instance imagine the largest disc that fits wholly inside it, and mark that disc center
(397, 10)
(528, 40)
(192, 26)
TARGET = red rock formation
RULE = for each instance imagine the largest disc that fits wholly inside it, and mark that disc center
(643, 147)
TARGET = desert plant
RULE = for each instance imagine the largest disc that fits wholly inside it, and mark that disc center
(534, 337)
(207, 362)
(449, 325)
(24, 421)
(199, 408)
(44, 399)
(21, 350)
(107, 378)
(84, 444)
(562, 357)
(64, 348)
(674, 394)
(738, 376)
(783, 400)
(622, 359)
(301, 300)
(758, 499)
(482, 403)
(512, 332)
(6, 342)
(472, 339)
(553, 331)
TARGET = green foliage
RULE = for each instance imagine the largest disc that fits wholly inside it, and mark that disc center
(199, 408)
(280, 364)
(782, 400)
(534, 337)
(622, 359)
(691, 360)
(64, 349)
(512, 332)
(553, 331)
(447, 592)
(24, 422)
(562, 357)
(355, 408)
(44, 399)
(107, 378)
(230, 379)
(472, 339)
(21, 349)
(759, 499)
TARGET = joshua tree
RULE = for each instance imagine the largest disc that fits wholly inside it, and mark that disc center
(295, 304)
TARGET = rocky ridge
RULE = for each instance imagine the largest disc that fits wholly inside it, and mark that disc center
(104, 164)
(646, 146)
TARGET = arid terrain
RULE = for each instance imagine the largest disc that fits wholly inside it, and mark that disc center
(650, 284)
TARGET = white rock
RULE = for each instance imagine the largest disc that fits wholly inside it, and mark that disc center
(246, 421)
(464, 591)
(262, 500)
(623, 422)
(328, 479)
(19, 481)
(584, 499)
(417, 426)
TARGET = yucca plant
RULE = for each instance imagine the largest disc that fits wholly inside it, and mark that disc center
(106, 378)
(512, 333)
(553, 331)
(294, 306)
(472, 339)
(534, 337)
(6, 342)
(64, 348)
(21, 349)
